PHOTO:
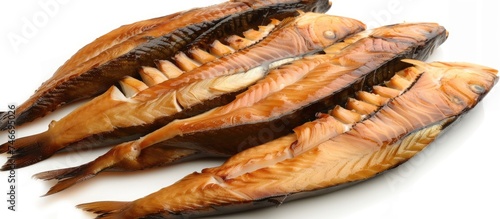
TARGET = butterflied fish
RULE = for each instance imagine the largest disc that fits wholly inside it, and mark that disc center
(322, 82)
(113, 117)
(123, 51)
(404, 124)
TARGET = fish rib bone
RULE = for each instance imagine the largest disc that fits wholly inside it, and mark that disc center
(185, 63)
(219, 49)
(386, 91)
(201, 55)
(306, 136)
(371, 98)
(132, 86)
(152, 76)
(169, 69)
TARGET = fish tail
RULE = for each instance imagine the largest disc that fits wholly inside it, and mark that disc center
(28, 150)
(67, 177)
(106, 209)
(64, 184)
(70, 176)
(55, 174)
(113, 159)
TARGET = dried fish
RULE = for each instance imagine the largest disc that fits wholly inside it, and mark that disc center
(405, 125)
(123, 51)
(323, 82)
(115, 117)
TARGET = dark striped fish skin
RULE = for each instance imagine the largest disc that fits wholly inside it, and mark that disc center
(89, 73)
(407, 124)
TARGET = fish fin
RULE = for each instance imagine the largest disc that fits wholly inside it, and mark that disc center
(69, 176)
(285, 22)
(27, 151)
(6, 147)
(106, 209)
(3, 120)
(55, 174)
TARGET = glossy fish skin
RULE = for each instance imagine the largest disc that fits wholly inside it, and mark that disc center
(372, 59)
(115, 118)
(365, 63)
(107, 119)
(406, 125)
(102, 63)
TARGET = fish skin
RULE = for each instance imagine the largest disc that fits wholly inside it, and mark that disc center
(367, 62)
(284, 75)
(102, 63)
(373, 58)
(407, 124)
(112, 119)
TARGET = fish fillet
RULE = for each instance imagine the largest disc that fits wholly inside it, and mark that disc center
(121, 52)
(405, 125)
(113, 117)
(365, 63)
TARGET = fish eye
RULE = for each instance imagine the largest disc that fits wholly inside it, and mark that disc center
(329, 34)
(457, 100)
(478, 89)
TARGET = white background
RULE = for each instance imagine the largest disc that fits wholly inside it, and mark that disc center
(457, 176)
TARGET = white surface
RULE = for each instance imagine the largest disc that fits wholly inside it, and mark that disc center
(456, 177)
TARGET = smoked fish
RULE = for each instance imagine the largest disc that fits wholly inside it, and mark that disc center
(316, 84)
(123, 51)
(115, 117)
(327, 154)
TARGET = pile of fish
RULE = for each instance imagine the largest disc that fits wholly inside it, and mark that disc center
(302, 103)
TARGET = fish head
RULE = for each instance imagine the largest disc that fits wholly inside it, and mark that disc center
(464, 84)
(322, 30)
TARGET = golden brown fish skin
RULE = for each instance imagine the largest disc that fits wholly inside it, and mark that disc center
(115, 119)
(87, 126)
(290, 40)
(102, 63)
(371, 61)
(162, 156)
(365, 63)
(405, 126)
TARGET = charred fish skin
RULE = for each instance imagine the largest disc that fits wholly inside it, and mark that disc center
(442, 93)
(88, 74)
(292, 39)
(415, 41)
